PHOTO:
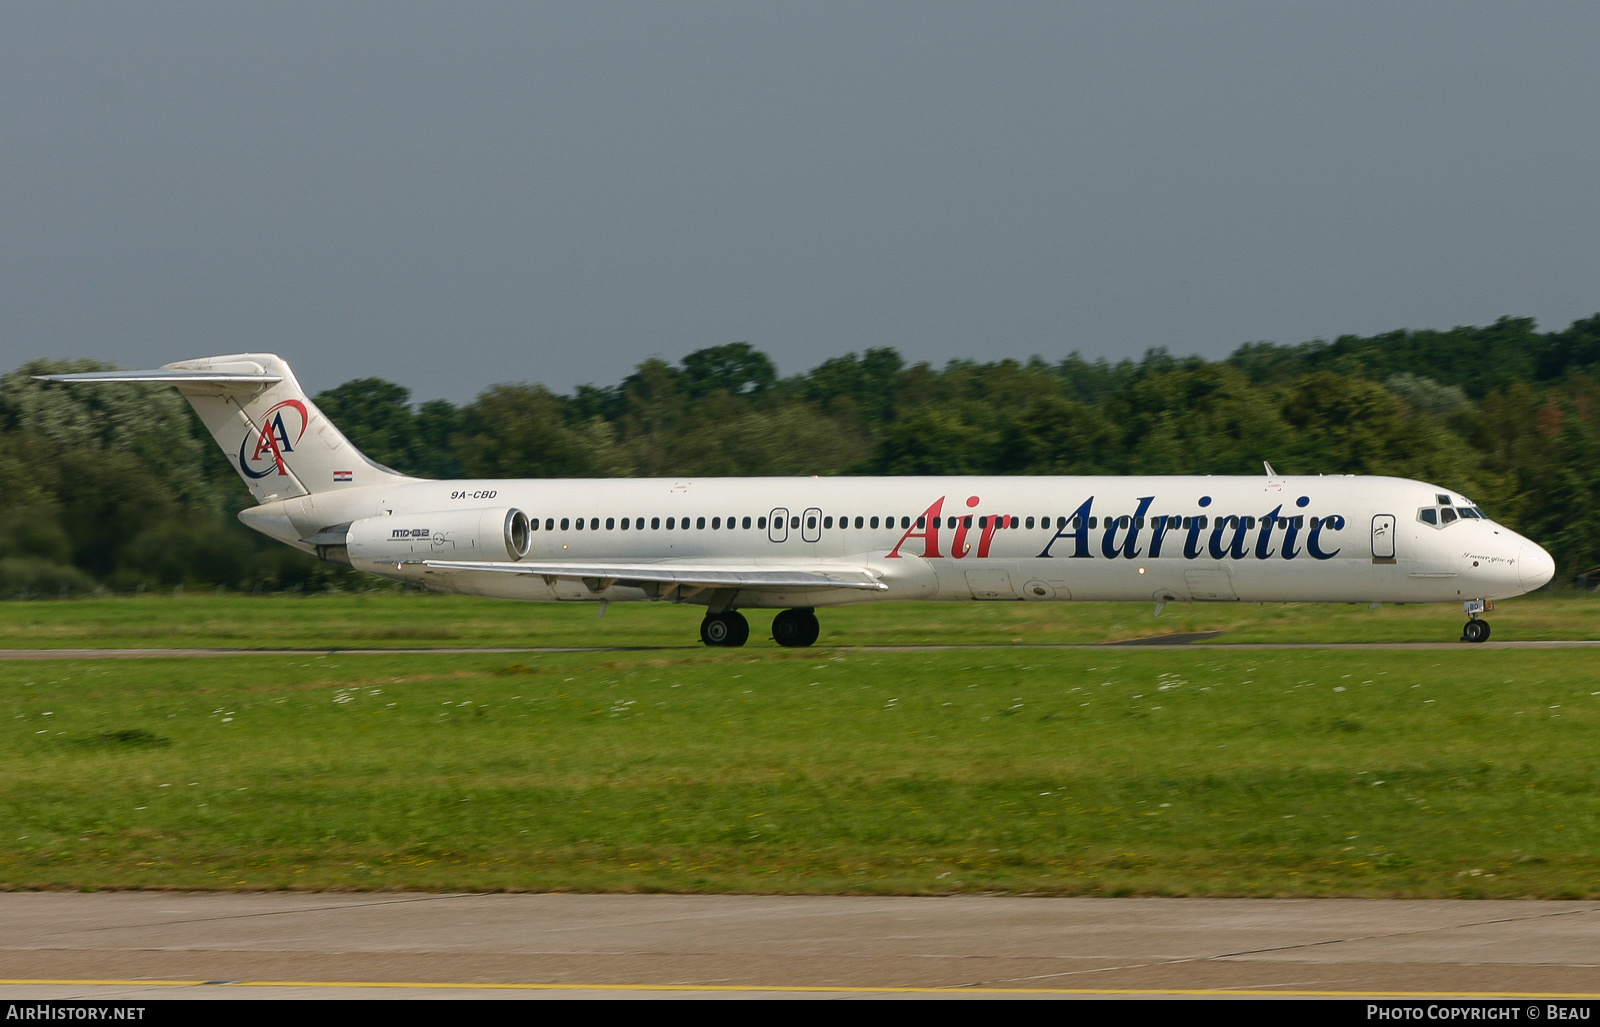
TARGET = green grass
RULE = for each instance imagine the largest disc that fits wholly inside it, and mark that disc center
(1461, 772)
(423, 620)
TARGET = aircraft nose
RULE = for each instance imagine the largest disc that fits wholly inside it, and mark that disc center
(1535, 566)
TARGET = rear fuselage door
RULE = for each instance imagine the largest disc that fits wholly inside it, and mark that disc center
(1383, 537)
(778, 525)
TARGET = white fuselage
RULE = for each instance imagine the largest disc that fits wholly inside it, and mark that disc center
(1160, 539)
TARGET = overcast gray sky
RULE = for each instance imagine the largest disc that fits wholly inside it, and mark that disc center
(453, 194)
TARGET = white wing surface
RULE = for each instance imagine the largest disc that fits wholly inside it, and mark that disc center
(692, 575)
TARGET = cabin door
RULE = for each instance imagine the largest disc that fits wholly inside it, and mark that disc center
(778, 525)
(811, 525)
(1383, 537)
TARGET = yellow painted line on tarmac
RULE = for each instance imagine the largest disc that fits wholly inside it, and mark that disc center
(1190, 992)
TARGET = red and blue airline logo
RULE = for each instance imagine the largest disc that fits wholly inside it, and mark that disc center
(1130, 535)
(262, 453)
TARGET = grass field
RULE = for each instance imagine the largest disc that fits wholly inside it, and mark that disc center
(425, 620)
(1468, 771)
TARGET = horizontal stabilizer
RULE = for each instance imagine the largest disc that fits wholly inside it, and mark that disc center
(166, 377)
(704, 576)
(274, 435)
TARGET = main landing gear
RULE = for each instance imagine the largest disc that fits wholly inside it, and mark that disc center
(1476, 630)
(728, 628)
(795, 628)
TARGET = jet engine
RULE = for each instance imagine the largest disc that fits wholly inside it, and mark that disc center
(493, 533)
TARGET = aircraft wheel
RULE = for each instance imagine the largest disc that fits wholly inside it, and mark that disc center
(1475, 631)
(725, 629)
(795, 628)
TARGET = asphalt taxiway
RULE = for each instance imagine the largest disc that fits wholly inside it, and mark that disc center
(1197, 641)
(154, 945)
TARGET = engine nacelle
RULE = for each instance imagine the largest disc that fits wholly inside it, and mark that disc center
(492, 533)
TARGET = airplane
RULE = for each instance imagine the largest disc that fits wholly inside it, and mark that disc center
(800, 544)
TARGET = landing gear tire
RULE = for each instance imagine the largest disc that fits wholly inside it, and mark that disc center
(795, 628)
(728, 629)
(1475, 631)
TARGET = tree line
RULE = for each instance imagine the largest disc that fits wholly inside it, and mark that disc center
(121, 487)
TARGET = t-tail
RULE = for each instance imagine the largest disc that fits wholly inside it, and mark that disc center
(275, 437)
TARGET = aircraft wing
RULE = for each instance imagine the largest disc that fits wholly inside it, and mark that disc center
(693, 576)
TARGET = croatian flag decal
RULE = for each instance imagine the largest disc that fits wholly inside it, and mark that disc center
(344, 476)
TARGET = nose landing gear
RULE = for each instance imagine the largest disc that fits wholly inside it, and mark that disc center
(728, 629)
(1476, 630)
(795, 628)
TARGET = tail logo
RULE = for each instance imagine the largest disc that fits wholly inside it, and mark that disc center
(272, 442)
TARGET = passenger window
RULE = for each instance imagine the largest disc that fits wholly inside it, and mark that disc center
(655, 524)
(611, 523)
(1030, 522)
(794, 522)
(578, 523)
(565, 523)
(671, 521)
(716, 523)
(922, 522)
(873, 522)
(761, 522)
(747, 522)
(827, 522)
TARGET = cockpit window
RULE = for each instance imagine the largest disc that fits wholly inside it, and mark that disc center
(1447, 515)
(1428, 515)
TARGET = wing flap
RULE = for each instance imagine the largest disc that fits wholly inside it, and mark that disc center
(706, 576)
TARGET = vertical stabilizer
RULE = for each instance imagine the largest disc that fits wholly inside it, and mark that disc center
(275, 437)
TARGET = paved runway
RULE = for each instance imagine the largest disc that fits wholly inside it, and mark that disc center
(149, 945)
(1186, 641)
